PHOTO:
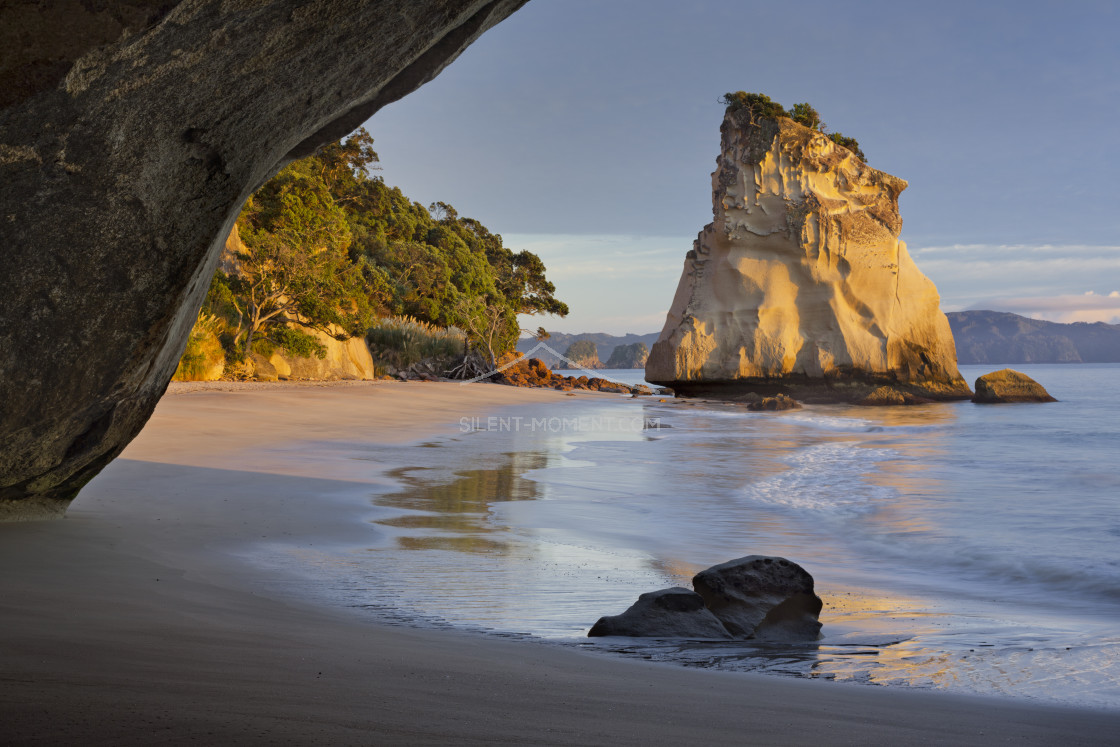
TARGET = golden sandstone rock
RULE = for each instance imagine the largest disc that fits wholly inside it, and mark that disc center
(1009, 386)
(800, 284)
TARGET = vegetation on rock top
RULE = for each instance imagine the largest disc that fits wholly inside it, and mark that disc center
(583, 353)
(756, 106)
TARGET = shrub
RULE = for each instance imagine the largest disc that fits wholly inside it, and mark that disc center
(396, 343)
(805, 114)
(203, 359)
(297, 342)
(758, 105)
(848, 142)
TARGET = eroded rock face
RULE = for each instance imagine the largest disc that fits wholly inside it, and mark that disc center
(762, 597)
(1009, 386)
(666, 613)
(131, 131)
(800, 284)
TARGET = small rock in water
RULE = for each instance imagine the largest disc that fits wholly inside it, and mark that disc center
(886, 396)
(1009, 386)
(667, 613)
(775, 403)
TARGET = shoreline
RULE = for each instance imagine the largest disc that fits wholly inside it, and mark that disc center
(137, 619)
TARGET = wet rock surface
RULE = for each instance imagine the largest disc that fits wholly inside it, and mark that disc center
(130, 135)
(762, 597)
(667, 613)
(753, 597)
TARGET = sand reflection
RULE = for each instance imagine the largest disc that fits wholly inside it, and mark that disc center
(455, 515)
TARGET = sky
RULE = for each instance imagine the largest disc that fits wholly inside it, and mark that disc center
(586, 131)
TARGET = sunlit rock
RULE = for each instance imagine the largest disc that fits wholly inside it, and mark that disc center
(800, 284)
(1009, 386)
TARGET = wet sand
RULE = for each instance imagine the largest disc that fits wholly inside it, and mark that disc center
(137, 619)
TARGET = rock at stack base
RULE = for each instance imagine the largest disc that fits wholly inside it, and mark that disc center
(1009, 386)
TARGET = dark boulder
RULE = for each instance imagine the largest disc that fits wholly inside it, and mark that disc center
(1009, 386)
(666, 613)
(130, 134)
(756, 597)
(762, 597)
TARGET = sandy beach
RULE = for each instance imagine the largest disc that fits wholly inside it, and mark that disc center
(135, 620)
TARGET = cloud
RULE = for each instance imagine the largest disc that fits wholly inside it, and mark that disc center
(1043, 281)
(1085, 307)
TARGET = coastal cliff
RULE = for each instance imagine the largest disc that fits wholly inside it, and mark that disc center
(130, 135)
(800, 284)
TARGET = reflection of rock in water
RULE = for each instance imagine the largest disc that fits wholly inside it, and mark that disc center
(454, 515)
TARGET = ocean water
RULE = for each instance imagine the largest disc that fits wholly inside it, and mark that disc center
(956, 546)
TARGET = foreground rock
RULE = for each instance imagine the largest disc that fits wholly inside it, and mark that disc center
(762, 597)
(130, 135)
(1009, 386)
(800, 285)
(754, 597)
(667, 613)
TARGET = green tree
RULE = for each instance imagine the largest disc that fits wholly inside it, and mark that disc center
(327, 242)
(805, 114)
(754, 105)
(848, 142)
(294, 266)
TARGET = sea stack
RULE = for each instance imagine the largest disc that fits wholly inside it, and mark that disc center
(800, 284)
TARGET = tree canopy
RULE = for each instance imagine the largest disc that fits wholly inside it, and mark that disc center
(329, 245)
